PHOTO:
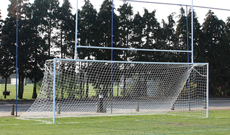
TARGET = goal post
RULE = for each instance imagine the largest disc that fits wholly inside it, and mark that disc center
(74, 88)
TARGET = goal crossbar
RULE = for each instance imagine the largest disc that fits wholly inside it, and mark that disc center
(137, 62)
(175, 4)
(134, 49)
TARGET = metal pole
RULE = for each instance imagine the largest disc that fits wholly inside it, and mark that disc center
(187, 33)
(75, 56)
(16, 109)
(54, 89)
(192, 33)
(112, 59)
(109, 61)
(188, 58)
(134, 49)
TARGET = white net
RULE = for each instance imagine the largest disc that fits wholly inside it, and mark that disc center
(120, 88)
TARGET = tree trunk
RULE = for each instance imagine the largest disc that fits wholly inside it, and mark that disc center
(81, 81)
(5, 87)
(81, 85)
(72, 83)
(87, 88)
(21, 86)
(105, 90)
(34, 96)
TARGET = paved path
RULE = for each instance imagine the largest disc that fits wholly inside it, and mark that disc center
(23, 106)
(219, 104)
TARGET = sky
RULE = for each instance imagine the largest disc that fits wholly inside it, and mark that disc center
(162, 11)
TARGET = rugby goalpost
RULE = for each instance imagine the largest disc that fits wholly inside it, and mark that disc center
(73, 87)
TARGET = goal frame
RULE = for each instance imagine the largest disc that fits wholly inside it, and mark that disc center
(58, 59)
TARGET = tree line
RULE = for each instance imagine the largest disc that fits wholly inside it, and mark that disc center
(47, 30)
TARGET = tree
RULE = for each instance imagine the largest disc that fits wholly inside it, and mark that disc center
(9, 45)
(6, 58)
(137, 35)
(65, 27)
(51, 18)
(104, 24)
(46, 14)
(227, 31)
(125, 31)
(36, 65)
(168, 38)
(125, 28)
(150, 35)
(216, 49)
(31, 49)
(37, 15)
(181, 37)
(88, 30)
(6, 63)
(12, 9)
(88, 35)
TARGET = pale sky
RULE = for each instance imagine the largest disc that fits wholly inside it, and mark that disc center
(162, 11)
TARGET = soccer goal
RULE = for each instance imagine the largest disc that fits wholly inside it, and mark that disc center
(74, 88)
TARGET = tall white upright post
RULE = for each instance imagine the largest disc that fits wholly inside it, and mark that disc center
(75, 56)
(54, 90)
(192, 33)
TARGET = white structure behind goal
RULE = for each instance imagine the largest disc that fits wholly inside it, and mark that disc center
(73, 88)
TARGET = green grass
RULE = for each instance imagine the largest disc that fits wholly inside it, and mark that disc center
(27, 94)
(217, 124)
(28, 91)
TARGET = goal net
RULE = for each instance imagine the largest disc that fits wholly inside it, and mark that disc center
(82, 87)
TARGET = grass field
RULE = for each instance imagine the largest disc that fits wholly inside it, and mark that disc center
(28, 91)
(27, 94)
(217, 124)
